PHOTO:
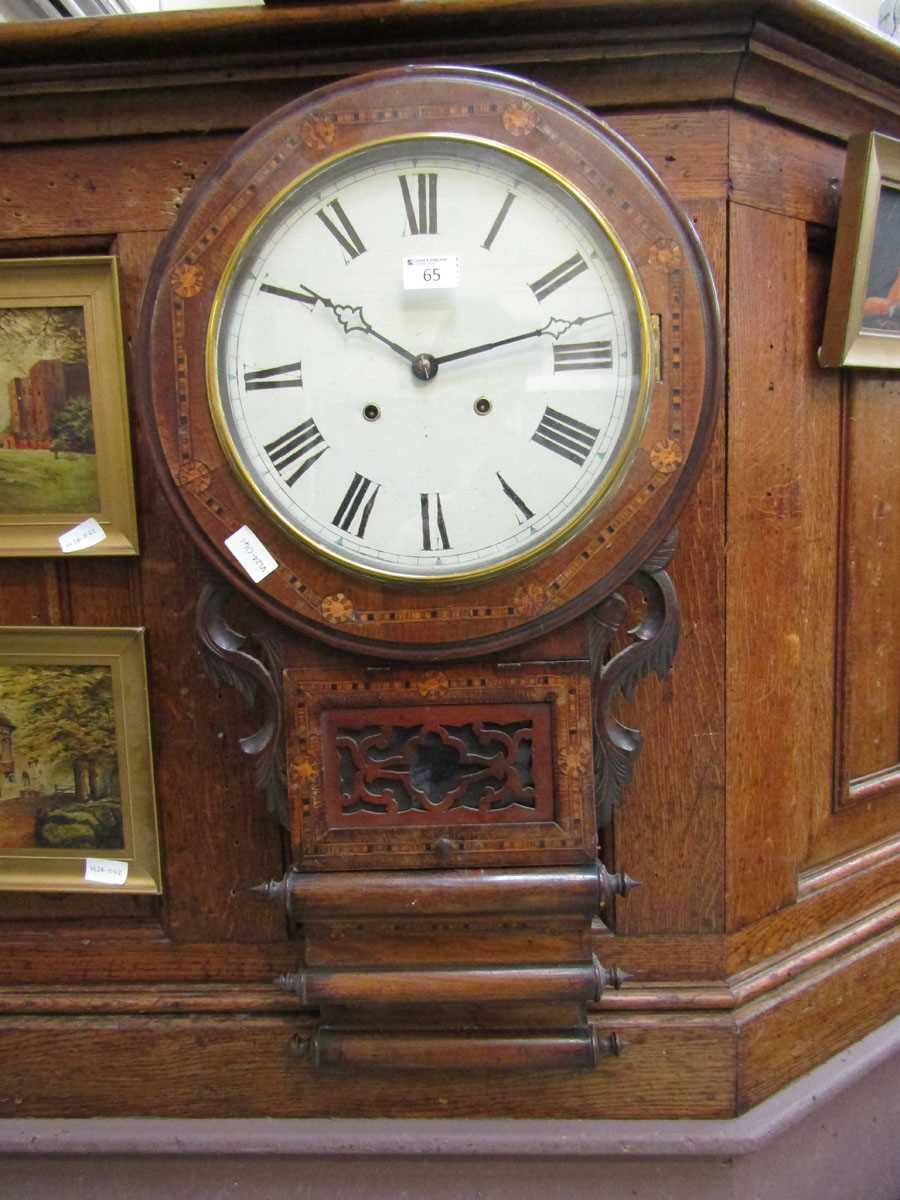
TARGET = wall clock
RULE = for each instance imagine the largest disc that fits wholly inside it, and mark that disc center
(438, 348)
(441, 341)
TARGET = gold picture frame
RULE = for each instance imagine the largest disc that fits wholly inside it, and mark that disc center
(65, 449)
(77, 809)
(862, 319)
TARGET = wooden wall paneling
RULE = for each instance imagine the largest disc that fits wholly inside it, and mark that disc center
(871, 615)
(215, 1066)
(781, 561)
(785, 170)
(864, 806)
(111, 956)
(651, 958)
(55, 911)
(101, 187)
(163, 998)
(102, 592)
(688, 148)
(798, 1026)
(669, 832)
(34, 592)
(829, 899)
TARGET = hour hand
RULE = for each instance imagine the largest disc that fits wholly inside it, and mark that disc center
(352, 320)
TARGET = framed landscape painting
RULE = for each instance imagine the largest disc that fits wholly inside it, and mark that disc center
(862, 320)
(65, 452)
(77, 809)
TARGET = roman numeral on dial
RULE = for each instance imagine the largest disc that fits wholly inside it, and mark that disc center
(421, 213)
(565, 436)
(356, 493)
(554, 279)
(346, 236)
(498, 221)
(296, 448)
(523, 509)
(582, 356)
(434, 531)
(273, 377)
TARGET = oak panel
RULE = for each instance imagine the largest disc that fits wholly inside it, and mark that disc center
(104, 187)
(781, 560)
(784, 170)
(63, 953)
(200, 1067)
(806, 1022)
(34, 592)
(687, 147)
(669, 831)
(871, 880)
(864, 807)
(871, 715)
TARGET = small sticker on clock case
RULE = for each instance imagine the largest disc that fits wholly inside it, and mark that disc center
(251, 553)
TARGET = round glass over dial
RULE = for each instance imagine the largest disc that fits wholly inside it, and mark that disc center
(429, 359)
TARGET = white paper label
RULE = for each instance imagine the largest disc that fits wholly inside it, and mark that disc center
(110, 871)
(430, 271)
(79, 537)
(251, 553)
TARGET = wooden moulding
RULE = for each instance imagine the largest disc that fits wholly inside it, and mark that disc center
(469, 893)
(569, 1049)
(650, 52)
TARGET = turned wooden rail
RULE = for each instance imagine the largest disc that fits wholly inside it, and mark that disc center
(551, 892)
(351, 1049)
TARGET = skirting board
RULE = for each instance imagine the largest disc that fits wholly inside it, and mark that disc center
(834, 1132)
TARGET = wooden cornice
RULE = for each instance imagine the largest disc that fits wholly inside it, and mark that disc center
(223, 69)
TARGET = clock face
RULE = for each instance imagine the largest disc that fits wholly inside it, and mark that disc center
(428, 359)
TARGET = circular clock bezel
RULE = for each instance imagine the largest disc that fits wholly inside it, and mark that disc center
(585, 508)
(442, 620)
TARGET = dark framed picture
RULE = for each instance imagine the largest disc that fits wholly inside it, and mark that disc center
(65, 452)
(862, 321)
(77, 808)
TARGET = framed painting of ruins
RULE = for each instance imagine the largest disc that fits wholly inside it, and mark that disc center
(65, 453)
(862, 320)
(77, 809)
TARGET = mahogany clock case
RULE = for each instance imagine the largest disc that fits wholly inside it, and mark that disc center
(406, 619)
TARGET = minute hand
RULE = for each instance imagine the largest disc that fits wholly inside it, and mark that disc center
(554, 328)
(352, 319)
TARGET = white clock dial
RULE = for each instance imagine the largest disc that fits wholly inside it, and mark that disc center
(429, 359)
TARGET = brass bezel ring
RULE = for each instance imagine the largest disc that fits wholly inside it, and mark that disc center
(448, 578)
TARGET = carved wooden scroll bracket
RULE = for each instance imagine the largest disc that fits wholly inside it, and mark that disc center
(250, 664)
(652, 649)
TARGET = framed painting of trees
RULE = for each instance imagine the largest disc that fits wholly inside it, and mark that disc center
(77, 808)
(65, 451)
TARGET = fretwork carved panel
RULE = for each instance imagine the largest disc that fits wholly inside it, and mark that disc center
(471, 766)
(443, 766)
